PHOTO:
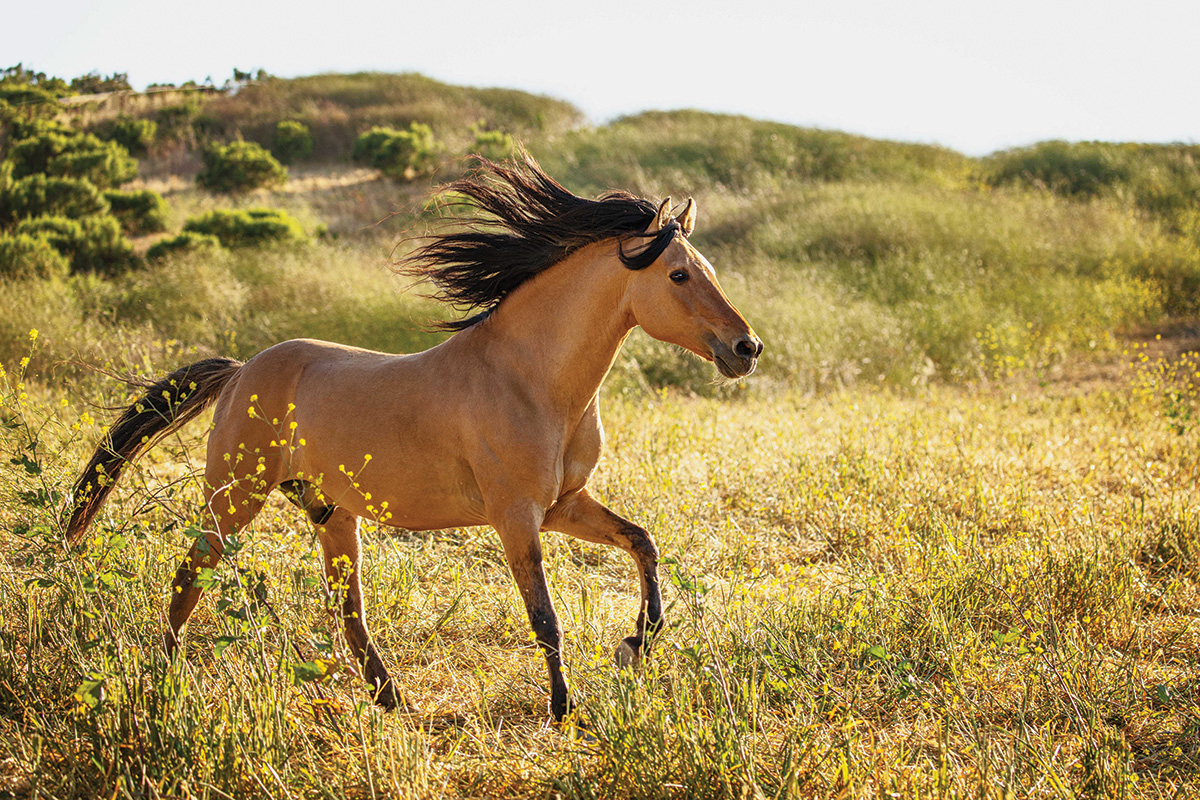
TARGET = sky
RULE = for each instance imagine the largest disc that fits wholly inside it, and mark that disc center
(974, 76)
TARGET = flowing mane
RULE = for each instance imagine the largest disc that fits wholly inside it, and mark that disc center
(522, 222)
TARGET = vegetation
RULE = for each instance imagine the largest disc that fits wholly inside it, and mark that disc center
(402, 155)
(292, 141)
(61, 152)
(92, 244)
(493, 145)
(252, 227)
(140, 212)
(337, 108)
(38, 195)
(1006, 577)
(943, 543)
(186, 242)
(134, 134)
(239, 167)
(23, 257)
(1161, 179)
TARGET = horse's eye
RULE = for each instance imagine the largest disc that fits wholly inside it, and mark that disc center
(679, 276)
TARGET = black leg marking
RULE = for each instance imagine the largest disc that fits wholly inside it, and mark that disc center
(307, 498)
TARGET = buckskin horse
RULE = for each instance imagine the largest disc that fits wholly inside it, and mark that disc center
(499, 424)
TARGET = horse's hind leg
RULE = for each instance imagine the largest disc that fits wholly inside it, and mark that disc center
(232, 509)
(584, 517)
(337, 530)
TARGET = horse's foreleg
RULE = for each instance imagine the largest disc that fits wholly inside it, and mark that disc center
(582, 516)
(337, 531)
(523, 551)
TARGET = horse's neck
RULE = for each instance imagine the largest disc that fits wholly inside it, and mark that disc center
(562, 329)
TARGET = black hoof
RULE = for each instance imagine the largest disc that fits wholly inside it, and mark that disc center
(388, 698)
(629, 652)
(561, 707)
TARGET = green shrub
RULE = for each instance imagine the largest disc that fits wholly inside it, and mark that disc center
(177, 123)
(492, 145)
(67, 153)
(254, 227)
(139, 212)
(1083, 168)
(25, 256)
(39, 195)
(92, 244)
(135, 135)
(29, 100)
(239, 167)
(403, 155)
(291, 141)
(186, 242)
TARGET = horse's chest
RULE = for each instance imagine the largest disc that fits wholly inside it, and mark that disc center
(581, 455)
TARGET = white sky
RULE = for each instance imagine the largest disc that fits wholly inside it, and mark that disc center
(970, 75)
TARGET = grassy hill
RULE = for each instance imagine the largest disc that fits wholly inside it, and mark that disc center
(946, 542)
(339, 107)
(859, 259)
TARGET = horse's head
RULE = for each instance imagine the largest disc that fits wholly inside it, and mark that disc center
(677, 299)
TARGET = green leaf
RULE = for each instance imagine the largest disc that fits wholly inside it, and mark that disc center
(223, 642)
(877, 652)
(313, 670)
(206, 578)
(31, 466)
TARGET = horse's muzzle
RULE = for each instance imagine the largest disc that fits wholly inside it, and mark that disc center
(738, 358)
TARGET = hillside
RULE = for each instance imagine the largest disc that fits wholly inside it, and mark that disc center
(944, 542)
(858, 259)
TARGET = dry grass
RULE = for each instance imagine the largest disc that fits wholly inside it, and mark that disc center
(967, 592)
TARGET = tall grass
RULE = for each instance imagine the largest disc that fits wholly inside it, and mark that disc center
(955, 593)
(687, 150)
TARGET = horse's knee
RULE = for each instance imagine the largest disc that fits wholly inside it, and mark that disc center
(641, 544)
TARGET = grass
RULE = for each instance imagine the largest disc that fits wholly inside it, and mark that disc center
(964, 592)
(945, 542)
(336, 108)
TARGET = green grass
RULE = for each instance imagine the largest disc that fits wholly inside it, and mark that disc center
(336, 108)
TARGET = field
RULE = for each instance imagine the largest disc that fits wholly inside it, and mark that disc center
(945, 543)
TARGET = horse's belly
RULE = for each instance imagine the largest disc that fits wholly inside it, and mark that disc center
(418, 500)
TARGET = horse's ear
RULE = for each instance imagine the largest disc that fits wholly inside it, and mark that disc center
(687, 217)
(661, 218)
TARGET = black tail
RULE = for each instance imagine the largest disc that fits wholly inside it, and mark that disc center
(165, 406)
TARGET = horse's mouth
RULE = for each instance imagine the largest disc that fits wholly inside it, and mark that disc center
(734, 370)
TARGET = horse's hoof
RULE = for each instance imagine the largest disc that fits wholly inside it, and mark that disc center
(628, 654)
(561, 708)
(390, 700)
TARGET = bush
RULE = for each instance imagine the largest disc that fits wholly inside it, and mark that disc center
(492, 145)
(186, 242)
(291, 142)
(92, 244)
(403, 155)
(135, 135)
(24, 256)
(177, 123)
(139, 212)
(254, 227)
(39, 195)
(66, 153)
(239, 167)
(1081, 169)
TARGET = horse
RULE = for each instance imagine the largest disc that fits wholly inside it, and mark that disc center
(499, 424)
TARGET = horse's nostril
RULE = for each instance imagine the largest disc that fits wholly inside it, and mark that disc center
(747, 347)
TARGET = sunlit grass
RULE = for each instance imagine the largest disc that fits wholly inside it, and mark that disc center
(967, 592)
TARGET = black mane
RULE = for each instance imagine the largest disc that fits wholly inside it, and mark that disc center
(528, 223)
